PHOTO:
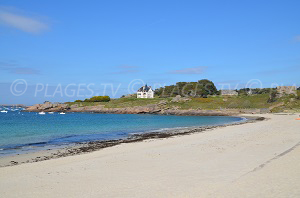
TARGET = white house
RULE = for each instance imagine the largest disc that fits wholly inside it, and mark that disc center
(145, 92)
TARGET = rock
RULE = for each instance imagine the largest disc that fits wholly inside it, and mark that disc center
(47, 105)
(175, 108)
(178, 98)
(260, 118)
(74, 106)
(185, 99)
(32, 108)
(163, 102)
(159, 108)
(64, 106)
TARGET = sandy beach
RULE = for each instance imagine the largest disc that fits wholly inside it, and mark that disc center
(258, 159)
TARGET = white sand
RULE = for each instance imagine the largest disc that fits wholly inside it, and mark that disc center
(252, 160)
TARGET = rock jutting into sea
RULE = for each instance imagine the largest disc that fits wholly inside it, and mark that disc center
(160, 108)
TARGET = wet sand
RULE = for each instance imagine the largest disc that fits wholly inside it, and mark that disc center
(37, 154)
(258, 159)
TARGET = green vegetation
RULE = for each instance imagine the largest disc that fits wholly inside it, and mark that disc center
(132, 102)
(233, 102)
(247, 91)
(203, 95)
(210, 103)
(272, 97)
(93, 101)
(83, 104)
(98, 99)
(121, 102)
(298, 94)
(202, 88)
(291, 107)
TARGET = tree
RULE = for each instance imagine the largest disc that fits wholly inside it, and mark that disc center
(202, 88)
(206, 87)
(272, 97)
(189, 89)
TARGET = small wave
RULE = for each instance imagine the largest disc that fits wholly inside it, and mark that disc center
(161, 130)
(242, 119)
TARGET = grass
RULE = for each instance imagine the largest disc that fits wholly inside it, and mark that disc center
(84, 103)
(291, 104)
(121, 102)
(234, 102)
(132, 102)
(213, 102)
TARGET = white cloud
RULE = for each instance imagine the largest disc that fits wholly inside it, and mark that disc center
(24, 23)
(194, 70)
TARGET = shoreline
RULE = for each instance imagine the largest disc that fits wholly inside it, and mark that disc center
(57, 151)
(258, 159)
(159, 109)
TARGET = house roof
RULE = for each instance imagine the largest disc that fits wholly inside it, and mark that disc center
(145, 88)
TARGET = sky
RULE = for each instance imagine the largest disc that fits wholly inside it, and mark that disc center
(65, 50)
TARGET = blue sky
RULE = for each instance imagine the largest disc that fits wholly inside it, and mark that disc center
(58, 43)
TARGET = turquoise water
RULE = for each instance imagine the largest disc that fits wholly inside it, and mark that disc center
(20, 130)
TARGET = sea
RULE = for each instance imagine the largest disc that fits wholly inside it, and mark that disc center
(28, 131)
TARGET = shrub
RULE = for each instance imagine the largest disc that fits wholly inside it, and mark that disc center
(78, 101)
(232, 105)
(202, 88)
(203, 100)
(99, 99)
(272, 97)
(247, 104)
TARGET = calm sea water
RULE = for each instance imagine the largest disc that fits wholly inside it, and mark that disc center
(19, 130)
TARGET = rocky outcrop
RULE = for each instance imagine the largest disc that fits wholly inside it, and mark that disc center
(160, 108)
(148, 109)
(286, 90)
(48, 107)
(178, 98)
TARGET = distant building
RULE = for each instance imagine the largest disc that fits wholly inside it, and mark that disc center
(145, 92)
(282, 90)
(229, 93)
